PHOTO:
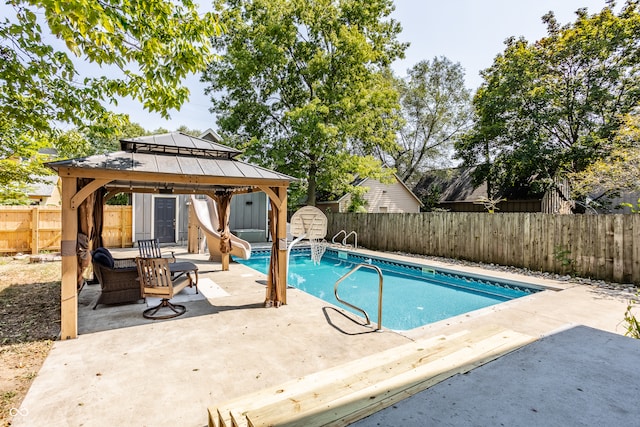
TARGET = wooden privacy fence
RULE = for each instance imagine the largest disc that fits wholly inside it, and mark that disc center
(605, 247)
(31, 229)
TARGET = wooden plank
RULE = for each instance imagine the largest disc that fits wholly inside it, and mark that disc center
(559, 246)
(425, 234)
(627, 248)
(526, 240)
(617, 251)
(387, 393)
(35, 224)
(548, 224)
(239, 406)
(635, 253)
(577, 238)
(349, 378)
(413, 233)
(605, 266)
(593, 238)
(478, 233)
(353, 397)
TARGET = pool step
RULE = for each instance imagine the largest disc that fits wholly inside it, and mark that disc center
(351, 391)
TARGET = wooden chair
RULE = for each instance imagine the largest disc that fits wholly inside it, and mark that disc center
(155, 281)
(150, 248)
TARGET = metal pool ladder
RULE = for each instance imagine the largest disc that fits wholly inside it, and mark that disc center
(346, 236)
(353, 270)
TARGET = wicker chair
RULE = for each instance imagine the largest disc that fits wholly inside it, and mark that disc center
(118, 278)
(155, 281)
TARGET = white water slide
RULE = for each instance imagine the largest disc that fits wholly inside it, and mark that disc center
(206, 216)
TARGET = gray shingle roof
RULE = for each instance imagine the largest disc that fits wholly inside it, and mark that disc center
(44, 187)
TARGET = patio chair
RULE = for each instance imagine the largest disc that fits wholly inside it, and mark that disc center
(150, 248)
(117, 278)
(155, 281)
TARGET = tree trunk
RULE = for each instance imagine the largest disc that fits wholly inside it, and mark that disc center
(311, 189)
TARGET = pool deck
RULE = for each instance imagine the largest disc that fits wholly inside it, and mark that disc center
(127, 370)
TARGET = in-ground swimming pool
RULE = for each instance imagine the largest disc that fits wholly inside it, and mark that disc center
(413, 295)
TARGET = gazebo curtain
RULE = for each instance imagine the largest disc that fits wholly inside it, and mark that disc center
(98, 218)
(223, 205)
(85, 230)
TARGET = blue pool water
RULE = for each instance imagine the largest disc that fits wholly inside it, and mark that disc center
(413, 295)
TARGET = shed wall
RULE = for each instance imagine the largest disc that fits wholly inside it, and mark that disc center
(391, 198)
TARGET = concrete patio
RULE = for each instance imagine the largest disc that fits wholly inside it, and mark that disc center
(127, 370)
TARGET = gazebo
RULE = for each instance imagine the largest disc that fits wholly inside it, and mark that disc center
(172, 163)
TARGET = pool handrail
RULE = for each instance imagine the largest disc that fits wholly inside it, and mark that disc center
(380, 283)
(333, 239)
(355, 243)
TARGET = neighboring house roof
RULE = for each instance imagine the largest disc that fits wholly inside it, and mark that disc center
(455, 185)
(211, 135)
(328, 198)
(45, 187)
(175, 154)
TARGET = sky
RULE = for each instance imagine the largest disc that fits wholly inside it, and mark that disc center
(471, 32)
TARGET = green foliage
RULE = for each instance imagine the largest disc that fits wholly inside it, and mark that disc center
(144, 50)
(633, 325)
(553, 106)
(101, 142)
(561, 254)
(13, 195)
(358, 203)
(634, 208)
(301, 85)
(192, 132)
(619, 168)
(121, 199)
(436, 109)
(430, 197)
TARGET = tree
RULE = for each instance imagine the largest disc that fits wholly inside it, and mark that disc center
(436, 108)
(299, 84)
(192, 132)
(619, 170)
(148, 48)
(551, 107)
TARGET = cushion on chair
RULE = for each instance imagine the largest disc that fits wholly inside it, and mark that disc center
(103, 250)
(103, 257)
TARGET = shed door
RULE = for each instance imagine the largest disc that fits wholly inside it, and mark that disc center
(165, 219)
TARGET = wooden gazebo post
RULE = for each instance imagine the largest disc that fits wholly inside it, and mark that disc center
(278, 197)
(69, 287)
(282, 244)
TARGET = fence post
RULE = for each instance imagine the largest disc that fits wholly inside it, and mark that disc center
(122, 229)
(35, 230)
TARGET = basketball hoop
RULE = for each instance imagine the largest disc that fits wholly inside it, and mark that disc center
(310, 223)
(317, 249)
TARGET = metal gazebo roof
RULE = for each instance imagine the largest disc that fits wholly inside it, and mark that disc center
(173, 162)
